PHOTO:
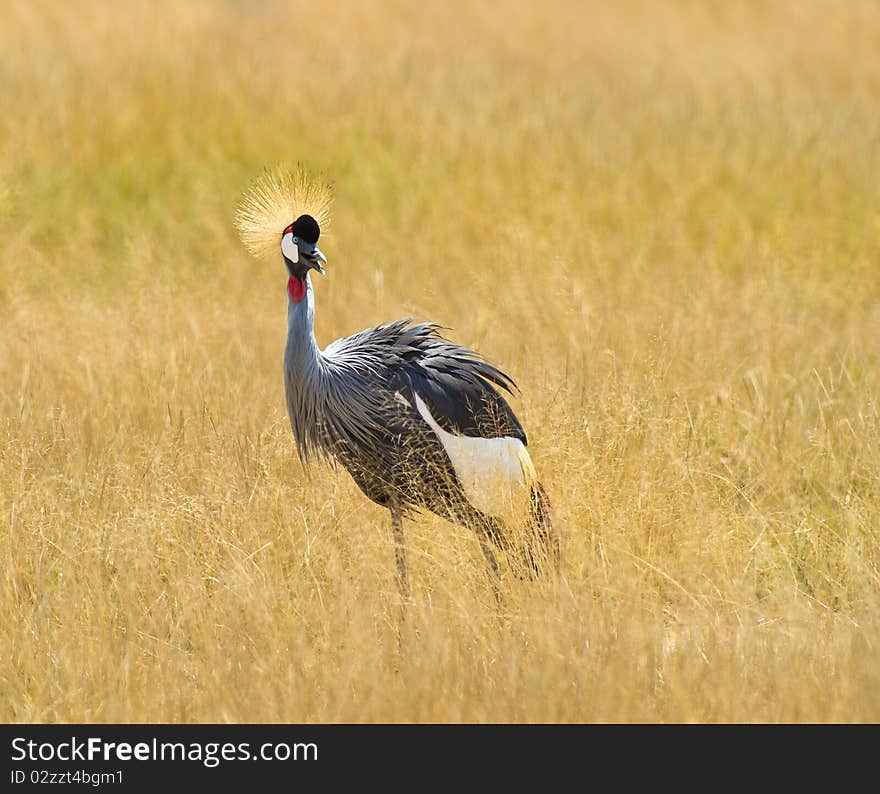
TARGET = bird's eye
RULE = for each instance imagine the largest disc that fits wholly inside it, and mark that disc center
(295, 241)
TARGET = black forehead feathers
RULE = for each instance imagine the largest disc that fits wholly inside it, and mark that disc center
(306, 228)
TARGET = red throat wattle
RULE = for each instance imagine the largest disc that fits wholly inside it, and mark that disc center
(296, 288)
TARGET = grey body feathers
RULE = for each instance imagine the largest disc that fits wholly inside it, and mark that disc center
(354, 403)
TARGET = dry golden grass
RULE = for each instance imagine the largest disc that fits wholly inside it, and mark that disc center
(662, 220)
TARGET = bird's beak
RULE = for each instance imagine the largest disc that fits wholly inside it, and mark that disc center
(315, 259)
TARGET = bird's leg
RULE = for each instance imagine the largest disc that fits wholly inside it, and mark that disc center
(483, 536)
(400, 553)
(402, 579)
(487, 551)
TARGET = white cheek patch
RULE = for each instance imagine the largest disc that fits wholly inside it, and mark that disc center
(495, 473)
(289, 248)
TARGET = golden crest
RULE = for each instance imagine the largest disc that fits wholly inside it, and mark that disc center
(276, 200)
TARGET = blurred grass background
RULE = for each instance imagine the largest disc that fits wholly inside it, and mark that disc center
(662, 219)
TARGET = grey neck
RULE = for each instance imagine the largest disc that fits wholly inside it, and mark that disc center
(304, 374)
(302, 353)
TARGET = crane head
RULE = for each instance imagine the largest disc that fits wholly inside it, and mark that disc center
(299, 247)
(269, 205)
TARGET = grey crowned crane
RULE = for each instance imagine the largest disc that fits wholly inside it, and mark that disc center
(418, 422)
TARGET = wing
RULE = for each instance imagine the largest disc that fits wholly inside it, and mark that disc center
(459, 386)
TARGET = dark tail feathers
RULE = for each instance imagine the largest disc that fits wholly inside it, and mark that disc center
(542, 550)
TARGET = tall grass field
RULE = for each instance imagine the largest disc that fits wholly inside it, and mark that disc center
(662, 219)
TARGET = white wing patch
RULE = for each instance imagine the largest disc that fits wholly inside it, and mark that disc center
(495, 473)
